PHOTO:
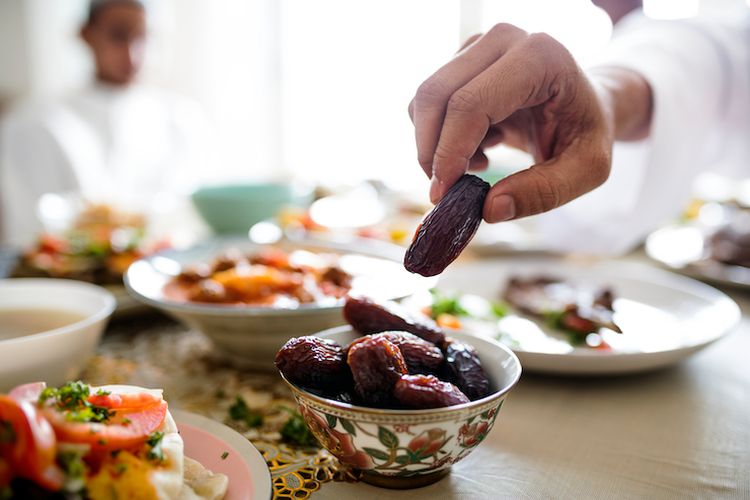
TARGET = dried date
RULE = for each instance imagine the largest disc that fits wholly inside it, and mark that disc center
(427, 391)
(314, 363)
(368, 316)
(465, 370)
(421, 357)
(376, 365)
(448, 228)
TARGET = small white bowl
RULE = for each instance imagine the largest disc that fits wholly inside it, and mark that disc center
(404, 449)
(56, 355)
(250, 336)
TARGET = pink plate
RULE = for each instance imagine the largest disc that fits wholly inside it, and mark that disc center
(220, 449)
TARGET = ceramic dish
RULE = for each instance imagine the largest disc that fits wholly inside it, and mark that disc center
(222, 450)
(56, 355)
(409, 448)
(249, 335)
(683, 249)
(664, 317)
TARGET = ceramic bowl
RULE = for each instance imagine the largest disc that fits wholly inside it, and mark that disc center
(235, 208)
(58, 355)
(250, 336)
(409, 448)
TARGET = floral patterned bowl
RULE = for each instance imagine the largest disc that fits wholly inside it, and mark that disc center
(409, 448)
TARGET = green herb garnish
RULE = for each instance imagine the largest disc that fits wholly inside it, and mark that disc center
(73, 398)
(72, 464)
(241, 412)
(295, 430)
(120, 468)
(154, 441)
(224, 455)
(445, 304)
(7, 433)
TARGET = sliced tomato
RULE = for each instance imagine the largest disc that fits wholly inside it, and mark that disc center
(127, 429)
(31, 449)
(132, 401)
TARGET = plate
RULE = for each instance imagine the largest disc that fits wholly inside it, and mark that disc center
(664, 317)
(682, 248)
(207, 441)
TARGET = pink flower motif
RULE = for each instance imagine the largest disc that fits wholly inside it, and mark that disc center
(338, 443)
(470, 435)
(427, 443)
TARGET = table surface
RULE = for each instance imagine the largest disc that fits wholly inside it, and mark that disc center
(682, 432)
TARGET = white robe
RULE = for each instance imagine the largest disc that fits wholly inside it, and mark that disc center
(699, 71)
(122, 145)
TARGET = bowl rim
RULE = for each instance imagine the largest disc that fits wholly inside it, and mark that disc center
(110, 303)
(388, 253)
(413, 413)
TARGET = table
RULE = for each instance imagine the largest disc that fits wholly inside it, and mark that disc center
(683, 432)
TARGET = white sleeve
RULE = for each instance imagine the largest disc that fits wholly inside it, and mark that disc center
(31, 163)
(699, 72)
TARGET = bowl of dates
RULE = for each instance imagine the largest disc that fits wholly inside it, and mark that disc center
(397, 407)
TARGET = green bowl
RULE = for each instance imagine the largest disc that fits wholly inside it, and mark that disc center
(235, 208)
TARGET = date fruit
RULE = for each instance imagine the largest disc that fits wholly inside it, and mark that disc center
(465, 370)
(448, 228)
(427, 391)
(314, 363)
(367, 316)
(376, 365)
(421, 357)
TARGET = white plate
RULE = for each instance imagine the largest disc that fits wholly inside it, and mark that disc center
(682, 248)
(664, 317)
(222, 450)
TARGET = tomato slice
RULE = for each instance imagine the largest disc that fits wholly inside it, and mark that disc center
(131, 401)
(129, 428)
(31, 445)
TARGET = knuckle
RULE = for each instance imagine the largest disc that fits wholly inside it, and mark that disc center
(504, 29)
(431, 92)
(600, 170)
(463, 101)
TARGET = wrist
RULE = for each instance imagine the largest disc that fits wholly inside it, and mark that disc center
(626, 99)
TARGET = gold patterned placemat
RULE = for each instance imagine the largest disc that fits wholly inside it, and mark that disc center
(159, 353)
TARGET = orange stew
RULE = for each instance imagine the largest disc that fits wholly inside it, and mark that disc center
(271, 277)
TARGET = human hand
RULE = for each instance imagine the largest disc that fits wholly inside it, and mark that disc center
(524, 90)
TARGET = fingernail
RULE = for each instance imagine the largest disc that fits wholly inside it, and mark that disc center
(435, 189)
(502, 208)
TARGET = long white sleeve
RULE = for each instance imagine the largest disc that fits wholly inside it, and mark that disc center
(699, 72)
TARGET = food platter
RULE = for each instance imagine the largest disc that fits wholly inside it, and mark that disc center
(664, 317)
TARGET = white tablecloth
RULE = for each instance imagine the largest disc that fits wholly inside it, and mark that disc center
(682, 432)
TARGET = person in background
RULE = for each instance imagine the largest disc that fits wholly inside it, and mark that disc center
(116, 139)
(668, 100)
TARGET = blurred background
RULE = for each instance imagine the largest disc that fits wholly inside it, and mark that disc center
(281, 82)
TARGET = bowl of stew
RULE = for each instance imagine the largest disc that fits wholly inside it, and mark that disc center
(250, 298)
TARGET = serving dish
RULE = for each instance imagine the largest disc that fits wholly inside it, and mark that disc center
(225, 451)
(56, 355)
(250, 336)
(409, 448)
(664, 317)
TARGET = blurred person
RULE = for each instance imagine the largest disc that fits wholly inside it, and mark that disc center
(668, 100)
(115, 140)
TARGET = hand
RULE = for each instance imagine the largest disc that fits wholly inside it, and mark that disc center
(524, 90)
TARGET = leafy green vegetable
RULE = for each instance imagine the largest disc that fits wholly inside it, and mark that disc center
(72, 464)
(241, 412)
(445, 304)
(154, 441)
(73, 398)
(500, 309)
(7, 434)
(295, 430)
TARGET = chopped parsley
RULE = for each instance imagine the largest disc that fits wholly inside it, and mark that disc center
(241, 412)
(120, 468)
(73, 399)
(126, 421)
(72, 464)
(295, 430)
(154, 441)
(7, 433)
(445, 304)
(224, 455)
